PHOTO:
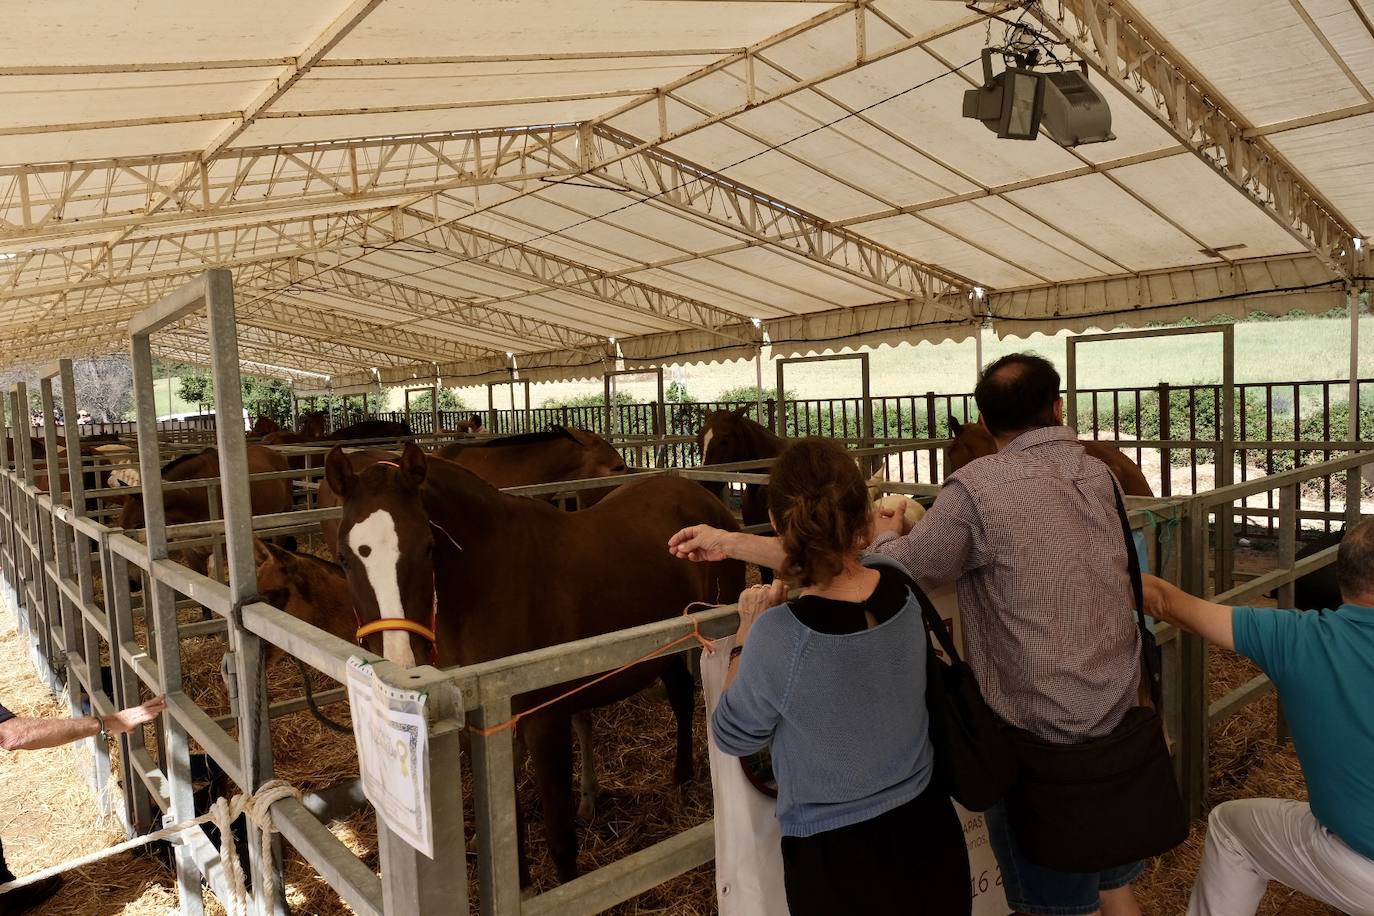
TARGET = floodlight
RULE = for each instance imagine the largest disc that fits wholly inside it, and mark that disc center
(1009, 104)
(1017, 102)
(1075, 111)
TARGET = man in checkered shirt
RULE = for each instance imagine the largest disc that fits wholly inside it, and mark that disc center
(1033, 539)
(1032, 536)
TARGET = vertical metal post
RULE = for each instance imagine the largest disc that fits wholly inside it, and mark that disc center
(161, 616)
(1193, 667)
(607, 395)
(493, 778)
(1071, 383)
(491, 406)
(58, 539)
(1166, 455)
(1352, 304)
(978, 353)
(82, 558)
(1288, 554)
(1225, 475)
(255, 738)
(758, 382)
(433, 405)
(414, 884)
(781, 401)
(295, 409)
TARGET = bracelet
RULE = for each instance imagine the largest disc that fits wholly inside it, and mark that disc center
(101, 731)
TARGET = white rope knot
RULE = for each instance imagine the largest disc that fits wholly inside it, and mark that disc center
(256, 809)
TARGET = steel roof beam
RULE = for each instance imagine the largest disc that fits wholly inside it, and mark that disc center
(553, 272)
(417, 302)
(44, 203)
(684, 186)
(1121, 46)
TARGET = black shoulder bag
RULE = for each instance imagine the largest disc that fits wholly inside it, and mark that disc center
(1107, 801)
(973, 760)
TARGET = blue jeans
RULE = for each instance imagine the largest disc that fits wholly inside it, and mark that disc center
(1040, 891)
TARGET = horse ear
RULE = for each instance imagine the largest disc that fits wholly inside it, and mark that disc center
(954, 425)
(744, 410)
(261, 552)
(338, 472)
(414, 465)
(580, 436)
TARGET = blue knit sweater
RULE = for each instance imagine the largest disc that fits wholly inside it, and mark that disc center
(844, 715)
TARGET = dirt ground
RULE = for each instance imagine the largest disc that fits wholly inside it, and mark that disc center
(51, 818)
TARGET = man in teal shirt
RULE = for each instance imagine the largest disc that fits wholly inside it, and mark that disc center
(1322, 664)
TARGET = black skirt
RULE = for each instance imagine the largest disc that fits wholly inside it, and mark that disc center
(910, 861)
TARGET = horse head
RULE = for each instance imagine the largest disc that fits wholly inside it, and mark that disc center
(386, 549)
(596, 456)
(312, 425)
(970, 441)
(263, 426)
(308, 588)
(732, 435)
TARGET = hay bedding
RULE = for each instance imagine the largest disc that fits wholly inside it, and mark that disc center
(54, 818)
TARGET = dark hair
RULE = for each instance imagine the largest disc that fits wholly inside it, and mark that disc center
(1355, 561)
(1017, 392)
(821, 507)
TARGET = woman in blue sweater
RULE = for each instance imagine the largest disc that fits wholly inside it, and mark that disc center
(833, 683)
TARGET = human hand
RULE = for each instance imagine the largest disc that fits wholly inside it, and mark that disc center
(753, 601)
(889, 516)
(1157, 594)
(699, 543)
(126, 720)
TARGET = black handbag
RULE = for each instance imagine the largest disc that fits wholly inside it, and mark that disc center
(1107, 801)
(973, 759)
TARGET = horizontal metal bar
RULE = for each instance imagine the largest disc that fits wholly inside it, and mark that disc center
(1251, 691)
(517, 674)
(1271, 580)
(297, 704)
(354, 882)
(625, 878)
(1229, 494)
(218, 743)
(318, 649)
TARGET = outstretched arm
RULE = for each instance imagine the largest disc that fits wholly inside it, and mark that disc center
(25, 734)
(702, 543)
(1172, 604)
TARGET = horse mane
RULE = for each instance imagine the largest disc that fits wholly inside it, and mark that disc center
(184, 459)
(329, 565)
(545, 435)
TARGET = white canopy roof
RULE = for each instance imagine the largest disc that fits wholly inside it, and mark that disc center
(406, 188)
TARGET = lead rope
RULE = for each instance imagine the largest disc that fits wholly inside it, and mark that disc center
(707, 646)
(256, 809)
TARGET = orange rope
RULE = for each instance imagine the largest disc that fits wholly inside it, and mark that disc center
(706, 644)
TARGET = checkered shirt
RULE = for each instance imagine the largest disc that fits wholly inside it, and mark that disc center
(1033, 538)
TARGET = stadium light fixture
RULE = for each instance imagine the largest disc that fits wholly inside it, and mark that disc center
(1018, 102)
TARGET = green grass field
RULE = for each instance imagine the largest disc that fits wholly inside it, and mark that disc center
(1306, 349)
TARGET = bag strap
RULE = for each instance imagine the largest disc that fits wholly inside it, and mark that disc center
(933, 622)
(1147, 654)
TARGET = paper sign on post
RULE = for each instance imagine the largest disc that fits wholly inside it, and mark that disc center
(392, 734)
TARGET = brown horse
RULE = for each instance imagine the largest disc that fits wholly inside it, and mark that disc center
(730, 435)
(972, 440)
(193, 504)
(559, 453)
(313, 425)
(370, 429)
(314, 590)
(473, 574)
(264, 426)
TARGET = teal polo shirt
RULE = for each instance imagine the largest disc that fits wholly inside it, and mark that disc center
(1322, 663)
